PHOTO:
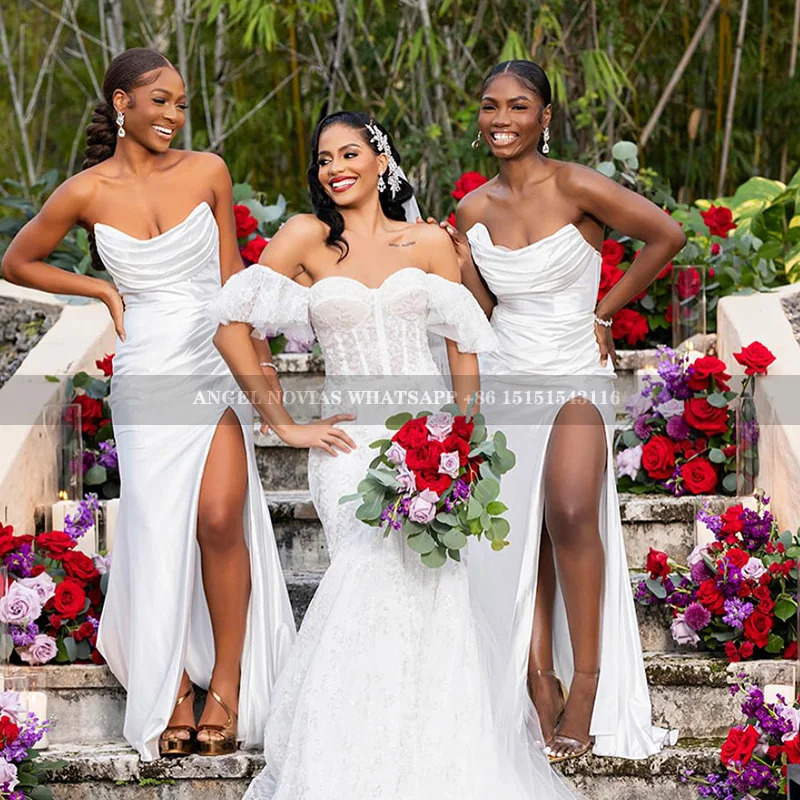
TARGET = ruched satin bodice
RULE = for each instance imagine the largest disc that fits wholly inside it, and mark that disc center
(546, 295)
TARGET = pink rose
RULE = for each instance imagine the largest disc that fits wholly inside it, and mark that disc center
(396, 453)
(682, 633)
(42, 650)
(42, 584)
(406, 479)
(20, 606)
(439, 425)
(449, 464)
(423, 507)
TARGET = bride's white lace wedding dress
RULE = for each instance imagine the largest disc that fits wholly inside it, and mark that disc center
(385, 694)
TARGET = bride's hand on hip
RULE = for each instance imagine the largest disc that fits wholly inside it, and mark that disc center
(320, 433)
(605, 342)
(459, 240)
(116, 307)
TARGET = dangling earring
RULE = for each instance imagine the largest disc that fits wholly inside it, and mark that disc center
(381, 183)
(546, 145)
(120, 125)
(477, 143)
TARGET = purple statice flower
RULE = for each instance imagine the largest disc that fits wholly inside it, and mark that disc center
(95, 622)
(674, 484)
(755, 777)
(677, 429)
(20, 562)
(749, 432)
(108, 455)
(700, 572)
(461, 489)
(737, 612)
(697, 616)
(671, 367)
(89, 460)
(23, 637)
(753, 702)
(757, 528)
(712, 521)
(75, 526)
(641, 428)
(644, 596)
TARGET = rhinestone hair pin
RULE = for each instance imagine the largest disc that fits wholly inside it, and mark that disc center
(381, 140)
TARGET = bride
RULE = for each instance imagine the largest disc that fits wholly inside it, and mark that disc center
(385, 694)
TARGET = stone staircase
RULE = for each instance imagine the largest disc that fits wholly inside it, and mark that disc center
(689, 691)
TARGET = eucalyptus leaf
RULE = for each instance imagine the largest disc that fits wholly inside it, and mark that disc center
(421, 543)
(729, 482)
(454, 539)
(71, 647)
(496, 507)
(716, 456)
(775, 644)
(717, 399)
(397, 421)
(501, 527)
(436, 558)
(95, 475)
(656, 588)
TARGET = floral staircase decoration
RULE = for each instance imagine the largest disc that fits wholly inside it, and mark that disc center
(680, 436)
(22, 773)
(755, 755)
(55, 594)
(735, 595)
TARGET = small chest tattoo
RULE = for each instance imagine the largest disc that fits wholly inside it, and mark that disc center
(403, 244)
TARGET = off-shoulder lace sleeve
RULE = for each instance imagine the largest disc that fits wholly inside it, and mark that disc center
(455, 314)
(265, 299)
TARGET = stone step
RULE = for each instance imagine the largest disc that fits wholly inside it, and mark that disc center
(666, 523)
(113, 772)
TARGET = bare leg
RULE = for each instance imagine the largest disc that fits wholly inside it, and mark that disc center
(573, 481)
(183, 714)
(544, 687)
(225, 563)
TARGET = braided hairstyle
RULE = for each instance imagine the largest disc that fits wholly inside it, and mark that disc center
(125, 72)
(530, 75)
(324, 207)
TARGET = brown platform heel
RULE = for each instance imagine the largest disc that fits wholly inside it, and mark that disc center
(172, 746)
(227, 744)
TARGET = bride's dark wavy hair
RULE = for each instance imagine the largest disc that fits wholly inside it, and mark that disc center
(324, 207)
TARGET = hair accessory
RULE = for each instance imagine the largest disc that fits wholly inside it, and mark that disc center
(606, 323)
(120, 125)
(392, 173)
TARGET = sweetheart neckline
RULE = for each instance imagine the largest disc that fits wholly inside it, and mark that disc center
(555, 233)
(158, 235)
(360, 283)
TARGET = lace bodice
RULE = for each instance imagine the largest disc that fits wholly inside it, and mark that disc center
(362, 330)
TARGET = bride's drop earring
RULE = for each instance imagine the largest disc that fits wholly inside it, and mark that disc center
(477, 143)
(546, 145)
(381, 183)
(120, 125)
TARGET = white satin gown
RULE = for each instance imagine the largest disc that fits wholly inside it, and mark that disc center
(386, 694)
(544, 321)
(168, 394)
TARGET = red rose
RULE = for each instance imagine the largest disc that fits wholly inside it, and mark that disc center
(688, 283)
(105, 365)
(70, 598)
(731, 652)
(658, 457)
(738, 747)
(253, 249)
(462, 428)
(412, 434)
(732, 519)
(699, 476)
(737, 557)
(755, 358)
(757, 627)
(657, 564)
(791, 651)
(609, 275)
(711, 272)
(700, 414)
(55, 621)
(708, 369)
(668, 314)
(95, 598)
(746, 649)
(774, 752)
(792, 750)
(454, 444)
(91, 412)
(433, 480)
(613, 252)
(719, 221)
(86, 630)
(426, 456)
(246, 223)
(630, 325)
(467, 183)
(715, 251)
(451, 220)
(97, 658)
(710, 596)
(7, 543)
(9, 731)
(55, 543)
(79, 566)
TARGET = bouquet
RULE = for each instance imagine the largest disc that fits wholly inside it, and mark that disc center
(754, 755)
(437, 481)
(55, 597)
(735, 595)
(680, 435)
(21, 773)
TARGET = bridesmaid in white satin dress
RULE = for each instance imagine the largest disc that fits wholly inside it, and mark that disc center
(196, 593)
(560, 601)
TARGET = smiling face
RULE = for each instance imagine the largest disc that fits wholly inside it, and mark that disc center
(512, 117)
(348, 168)
(156, 110)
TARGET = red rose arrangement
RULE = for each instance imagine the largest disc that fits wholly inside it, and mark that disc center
(55, 595)
(719, 221)
(680, 434)
(735, 595)
(437, 482)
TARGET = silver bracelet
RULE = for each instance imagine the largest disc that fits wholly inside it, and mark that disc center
(606, 323)
(268, 364)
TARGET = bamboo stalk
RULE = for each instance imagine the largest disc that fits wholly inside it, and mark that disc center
(220, 76)
(341, 7)
(183, 65)
(792, 69)
(737, 62)
(762, 66)
(678, 73)
(436, 70)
